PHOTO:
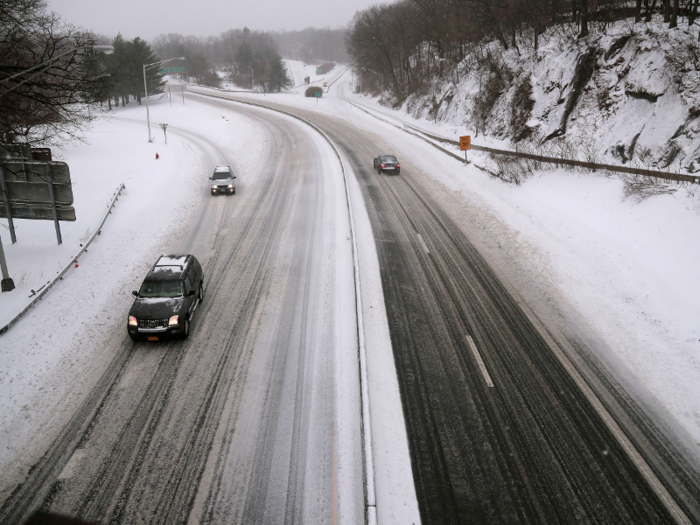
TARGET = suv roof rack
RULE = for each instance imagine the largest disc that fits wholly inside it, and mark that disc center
(177, 261)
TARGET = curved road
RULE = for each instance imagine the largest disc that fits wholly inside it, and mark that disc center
(246, 421)
(243, 423)
(502, 428)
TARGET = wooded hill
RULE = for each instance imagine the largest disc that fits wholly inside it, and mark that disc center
(619, 79)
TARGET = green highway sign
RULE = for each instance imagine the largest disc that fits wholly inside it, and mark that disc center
(167, 70)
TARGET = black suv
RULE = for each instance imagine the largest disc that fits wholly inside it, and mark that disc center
(387, 163)
(169, 296)
(222, 180)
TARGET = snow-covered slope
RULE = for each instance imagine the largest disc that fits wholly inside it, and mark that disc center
(628, 94)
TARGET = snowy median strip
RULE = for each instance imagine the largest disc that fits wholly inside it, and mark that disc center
(368, 459)
(73, 261)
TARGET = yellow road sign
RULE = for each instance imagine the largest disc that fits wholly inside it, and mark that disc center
(465, 142)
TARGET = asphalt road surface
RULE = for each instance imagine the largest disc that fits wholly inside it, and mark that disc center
(499, 431)
(243, 422)
(240, 424)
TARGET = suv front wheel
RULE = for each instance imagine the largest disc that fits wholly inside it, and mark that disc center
(186, 329)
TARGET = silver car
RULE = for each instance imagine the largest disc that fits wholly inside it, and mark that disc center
(222, 181)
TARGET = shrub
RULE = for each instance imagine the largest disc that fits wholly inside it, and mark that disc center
(324, 68)
(312, 90)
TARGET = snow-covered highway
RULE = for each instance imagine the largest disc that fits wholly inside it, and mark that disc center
(255, 417)
(512, 411)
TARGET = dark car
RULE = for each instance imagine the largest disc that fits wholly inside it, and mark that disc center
(387, 163)
(222, 180)
(167, 300)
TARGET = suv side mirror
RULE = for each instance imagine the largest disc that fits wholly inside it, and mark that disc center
(135, 293)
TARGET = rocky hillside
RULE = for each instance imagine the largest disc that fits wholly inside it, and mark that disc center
(628, 93)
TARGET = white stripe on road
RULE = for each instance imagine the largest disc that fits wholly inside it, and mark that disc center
(73, 464)
(422, 243)
(482, 366)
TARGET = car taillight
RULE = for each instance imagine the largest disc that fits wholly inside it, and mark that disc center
(383, 166)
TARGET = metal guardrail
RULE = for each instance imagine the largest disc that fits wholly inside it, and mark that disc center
(678, 177)
(50, 284)
(424, 135)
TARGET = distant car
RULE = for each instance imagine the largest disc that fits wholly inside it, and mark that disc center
(325, 84)
(387, 163)
(168, 298)
(222, 181)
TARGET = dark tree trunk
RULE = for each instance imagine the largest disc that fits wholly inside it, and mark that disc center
(638, 10)
(667, 11)
(674, 14)
(650, 10)
(584, 19)
(693, 12)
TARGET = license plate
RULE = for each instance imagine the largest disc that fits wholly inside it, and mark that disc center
(152, 338)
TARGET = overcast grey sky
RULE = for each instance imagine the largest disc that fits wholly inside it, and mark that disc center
(148, 19)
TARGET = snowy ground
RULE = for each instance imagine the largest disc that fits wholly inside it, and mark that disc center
(52, 356)
(626, 267)
(629, 269)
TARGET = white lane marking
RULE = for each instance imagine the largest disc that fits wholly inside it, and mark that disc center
(72, 465)
(422, 243)
(482, 366)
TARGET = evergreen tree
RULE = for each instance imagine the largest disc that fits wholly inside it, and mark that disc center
(277, 79)
(141, 53)
(126, 70)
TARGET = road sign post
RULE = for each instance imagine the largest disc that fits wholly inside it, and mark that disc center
(7, 283)
(465, 144)
(36, 190)
(165, 126)
(8, 209)
(54, 211)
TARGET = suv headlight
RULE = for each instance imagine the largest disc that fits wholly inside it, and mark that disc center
(133, 321)
(173, 321)
(230, 186)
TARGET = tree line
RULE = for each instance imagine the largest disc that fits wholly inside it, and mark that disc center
(401, 46)
(248, 58)
(47, 71)
(52, 82)
(311, 45)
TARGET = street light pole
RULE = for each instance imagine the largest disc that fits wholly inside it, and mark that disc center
(252, 78)
(148, 113)
(145, 90)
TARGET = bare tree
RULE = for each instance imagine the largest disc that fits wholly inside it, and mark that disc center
(48, 75)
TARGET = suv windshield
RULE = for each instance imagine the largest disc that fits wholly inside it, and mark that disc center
(161, 289)
(222, 175)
